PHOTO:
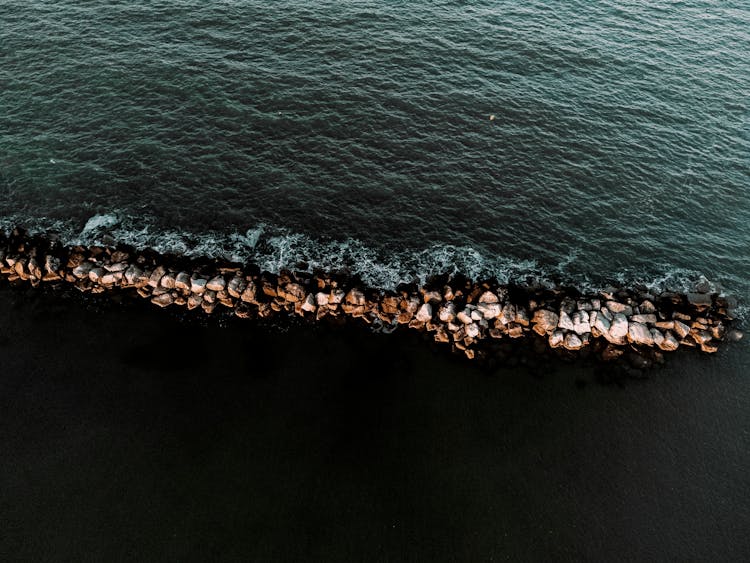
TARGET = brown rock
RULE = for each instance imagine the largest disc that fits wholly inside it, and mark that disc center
(163, 300)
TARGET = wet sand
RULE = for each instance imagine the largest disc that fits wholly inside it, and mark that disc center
(127, 434)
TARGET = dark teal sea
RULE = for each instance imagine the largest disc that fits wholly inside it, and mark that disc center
(582, 142)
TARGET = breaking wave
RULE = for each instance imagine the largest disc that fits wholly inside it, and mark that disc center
(275, 248)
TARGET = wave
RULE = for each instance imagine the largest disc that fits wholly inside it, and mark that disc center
(274, 248)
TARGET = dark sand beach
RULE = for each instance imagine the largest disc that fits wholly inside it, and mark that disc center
(128, 434)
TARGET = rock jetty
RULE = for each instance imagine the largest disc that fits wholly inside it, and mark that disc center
(466, 315)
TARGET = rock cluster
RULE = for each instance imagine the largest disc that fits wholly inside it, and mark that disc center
(463, 314)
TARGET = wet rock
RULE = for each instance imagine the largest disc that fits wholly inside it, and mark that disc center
(293, 293)
(441, 335)
(601, 323)
(681, 329)
(618, 330)
(336, 296)
(644, 319)
(236, 286)
(447, 312)
(616, 307)
(496, 333)
(522, 317)
(132, 275)
(572, 341)
(82, 271)
(356, 297)
(116, 267)
(544, 321)
(701, 337)
(432, 297)
(472, 330)
(640, 334)
(163, 300)
(567, 306)
(389, 305)
(489, 310)
(515, 331)
(424, 313)
(488, 297)
(250, 293)
(194, 301)
(556, 339)
(647, 307)
(657, 337)
(700, 301)
(309, 305)
(669, 344)
(156, 275)
(465, 316)
(198, 285)
(95, 274)
(167, 281)
(734, 335)
(111, 278)
(581, 322)
(565, 322)
(217, 283)
(709, 347)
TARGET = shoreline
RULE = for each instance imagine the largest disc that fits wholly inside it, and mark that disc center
(480, 319)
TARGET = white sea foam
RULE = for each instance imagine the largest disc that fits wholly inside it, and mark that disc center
(273, 249)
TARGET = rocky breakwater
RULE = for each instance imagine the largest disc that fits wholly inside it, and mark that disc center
(472, 318)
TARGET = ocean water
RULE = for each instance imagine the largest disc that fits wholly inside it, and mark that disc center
(358, 135)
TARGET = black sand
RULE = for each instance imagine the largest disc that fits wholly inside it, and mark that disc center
(128, 435)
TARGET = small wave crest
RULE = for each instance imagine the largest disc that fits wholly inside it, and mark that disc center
(274, 248)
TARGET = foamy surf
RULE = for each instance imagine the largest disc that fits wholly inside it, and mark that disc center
(273, 249)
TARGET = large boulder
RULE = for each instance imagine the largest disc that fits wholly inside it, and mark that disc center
(681, 329)
(217, 283)
(356, 297)
(618, 330)
(544, 321)
(156, 275)
(163, 300)
(617, 307)
(424, 313)
(669, 344)
(572, 341)
(447, 312)
(581, 323)
(508, 314)
(601, 323)
(556, 339)
(236, 286)
(640, 334)
(465, 316)
(82, 270)
(250, 293)
(489, 310)
(565, 322)
(488, 297)
(309, 305)
(198, 285)
(167, 280)
(293, 292)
